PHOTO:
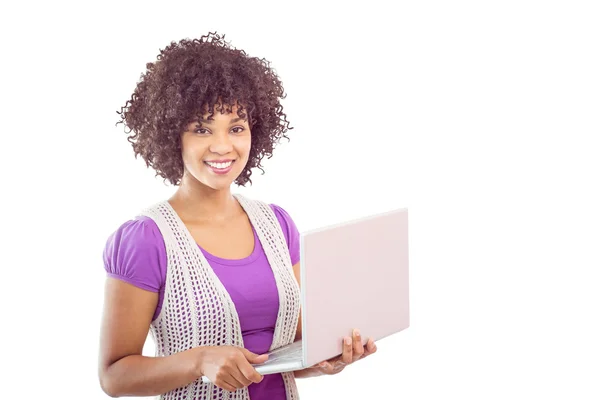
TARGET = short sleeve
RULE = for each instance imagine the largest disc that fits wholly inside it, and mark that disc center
(135, 253)
(290, 231)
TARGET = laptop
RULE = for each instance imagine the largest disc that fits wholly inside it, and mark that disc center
(353, 275)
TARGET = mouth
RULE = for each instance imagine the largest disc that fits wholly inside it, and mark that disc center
(220, 166)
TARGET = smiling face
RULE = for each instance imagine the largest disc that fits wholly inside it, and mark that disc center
(215, 151)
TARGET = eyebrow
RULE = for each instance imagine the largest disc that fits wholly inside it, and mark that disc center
(210, 121)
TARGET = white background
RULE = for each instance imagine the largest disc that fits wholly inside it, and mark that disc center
(481, 117)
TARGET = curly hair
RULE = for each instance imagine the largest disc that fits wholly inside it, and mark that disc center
(190, 78)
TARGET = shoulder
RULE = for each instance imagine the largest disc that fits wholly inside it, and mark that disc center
(141, 230)
(290, 231)
(282, 215)
(135, 252)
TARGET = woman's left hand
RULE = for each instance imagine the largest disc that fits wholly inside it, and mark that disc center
(353, 350)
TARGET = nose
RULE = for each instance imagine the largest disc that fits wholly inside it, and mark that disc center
(221, 144)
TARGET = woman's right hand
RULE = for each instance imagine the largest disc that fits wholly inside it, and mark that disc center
(229, 367)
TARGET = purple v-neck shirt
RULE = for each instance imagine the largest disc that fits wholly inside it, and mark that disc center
(135, 253)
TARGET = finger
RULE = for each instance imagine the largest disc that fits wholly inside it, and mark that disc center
(357, 349)
(241, 377)
(334, 367)
(327, 367)
(339, 366)
(227, 382)
(347, 351)
(226, 386)
(231, 371)
(320, 365)
(370, 348)
(254, 358)
(260, 359)
(249, 372)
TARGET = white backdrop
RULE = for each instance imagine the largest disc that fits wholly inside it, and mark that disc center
(481, 118)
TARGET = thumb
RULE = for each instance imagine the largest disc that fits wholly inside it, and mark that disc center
(254, 358)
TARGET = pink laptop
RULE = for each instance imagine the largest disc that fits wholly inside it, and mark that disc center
(353, 275)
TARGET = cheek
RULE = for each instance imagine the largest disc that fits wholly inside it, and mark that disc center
(190, 152)
(244, 145)
(186, 152)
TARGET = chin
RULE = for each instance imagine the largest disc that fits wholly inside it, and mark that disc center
(218, 182)
(218, 186)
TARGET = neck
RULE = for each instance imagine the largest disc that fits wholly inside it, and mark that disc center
(194, 201)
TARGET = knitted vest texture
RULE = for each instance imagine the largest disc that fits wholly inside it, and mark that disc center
(197, 309)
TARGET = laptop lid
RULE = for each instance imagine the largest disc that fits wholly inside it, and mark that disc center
(353, 275)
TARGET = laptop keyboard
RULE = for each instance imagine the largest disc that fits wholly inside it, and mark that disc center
(291, 352)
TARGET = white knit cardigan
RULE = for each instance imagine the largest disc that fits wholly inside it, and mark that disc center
(197, 309)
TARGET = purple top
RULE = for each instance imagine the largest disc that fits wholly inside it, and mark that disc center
(135, 253)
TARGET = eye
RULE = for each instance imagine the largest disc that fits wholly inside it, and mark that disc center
(201, 131)
(238, 129)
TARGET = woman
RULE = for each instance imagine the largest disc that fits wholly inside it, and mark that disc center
(215, 276)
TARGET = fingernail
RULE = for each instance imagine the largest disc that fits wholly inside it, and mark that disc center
(356, 333)
(348, 341)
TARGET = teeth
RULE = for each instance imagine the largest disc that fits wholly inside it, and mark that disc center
(219, 165)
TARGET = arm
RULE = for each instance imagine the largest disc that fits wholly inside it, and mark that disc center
(122, 370)
(296, 268)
